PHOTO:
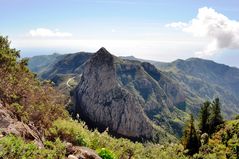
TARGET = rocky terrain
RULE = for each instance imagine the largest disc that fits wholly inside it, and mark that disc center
(10, 125)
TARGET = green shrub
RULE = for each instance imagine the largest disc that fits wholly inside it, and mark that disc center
(80, 140)
(106, 154)
(54, 149)
(15, 147)
(70, 131)
(21, 114)
(237, 117)
(77, 133)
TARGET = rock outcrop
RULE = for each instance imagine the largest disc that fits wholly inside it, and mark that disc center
(125, 97)
(79, 152)
(10, 125)
(101, 99)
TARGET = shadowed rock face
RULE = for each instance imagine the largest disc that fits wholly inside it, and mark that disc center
(124, 96)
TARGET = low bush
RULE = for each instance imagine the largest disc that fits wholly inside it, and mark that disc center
(69, 131)
(105, 154)
(15, 147)
(106, 145)
(237, 117)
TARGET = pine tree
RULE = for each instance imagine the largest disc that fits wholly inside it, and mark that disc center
(215, 117)
(8, 56)
(190, 139)
(204, 117)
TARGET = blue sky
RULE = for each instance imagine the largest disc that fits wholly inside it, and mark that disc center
(152, 29)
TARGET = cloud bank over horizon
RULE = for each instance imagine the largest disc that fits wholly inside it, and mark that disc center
(222, 32)
(48, 33)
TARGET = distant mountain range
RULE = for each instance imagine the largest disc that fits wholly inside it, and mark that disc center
(137, 98)
(207, 80)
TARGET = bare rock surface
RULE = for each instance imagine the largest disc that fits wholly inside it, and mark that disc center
(103, 101)
(79, 152)
(10, 125)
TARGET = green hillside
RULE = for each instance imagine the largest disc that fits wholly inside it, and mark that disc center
(206, 80)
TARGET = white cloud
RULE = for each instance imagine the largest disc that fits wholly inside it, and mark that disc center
(222, 32)
(43, 32)
(177, 25)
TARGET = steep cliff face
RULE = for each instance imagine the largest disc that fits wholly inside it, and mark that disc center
(103, 101)
(127, 97)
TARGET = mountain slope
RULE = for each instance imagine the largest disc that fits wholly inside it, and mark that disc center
(64, 70)
(207, 80)
(69, 64)
(40, 63)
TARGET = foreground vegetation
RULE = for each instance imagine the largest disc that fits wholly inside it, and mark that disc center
(71, 131)
(222, 145)
(39, 104)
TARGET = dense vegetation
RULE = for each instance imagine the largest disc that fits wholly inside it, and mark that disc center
(210, 117)
(223, 144)
(20, 91)
(15, 147)
(38, 103)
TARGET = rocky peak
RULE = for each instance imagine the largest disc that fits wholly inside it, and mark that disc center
(103, 51)
(102, 102)
(102, 56)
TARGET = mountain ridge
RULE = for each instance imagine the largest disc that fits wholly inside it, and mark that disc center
(208, 80)
(193, 83)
